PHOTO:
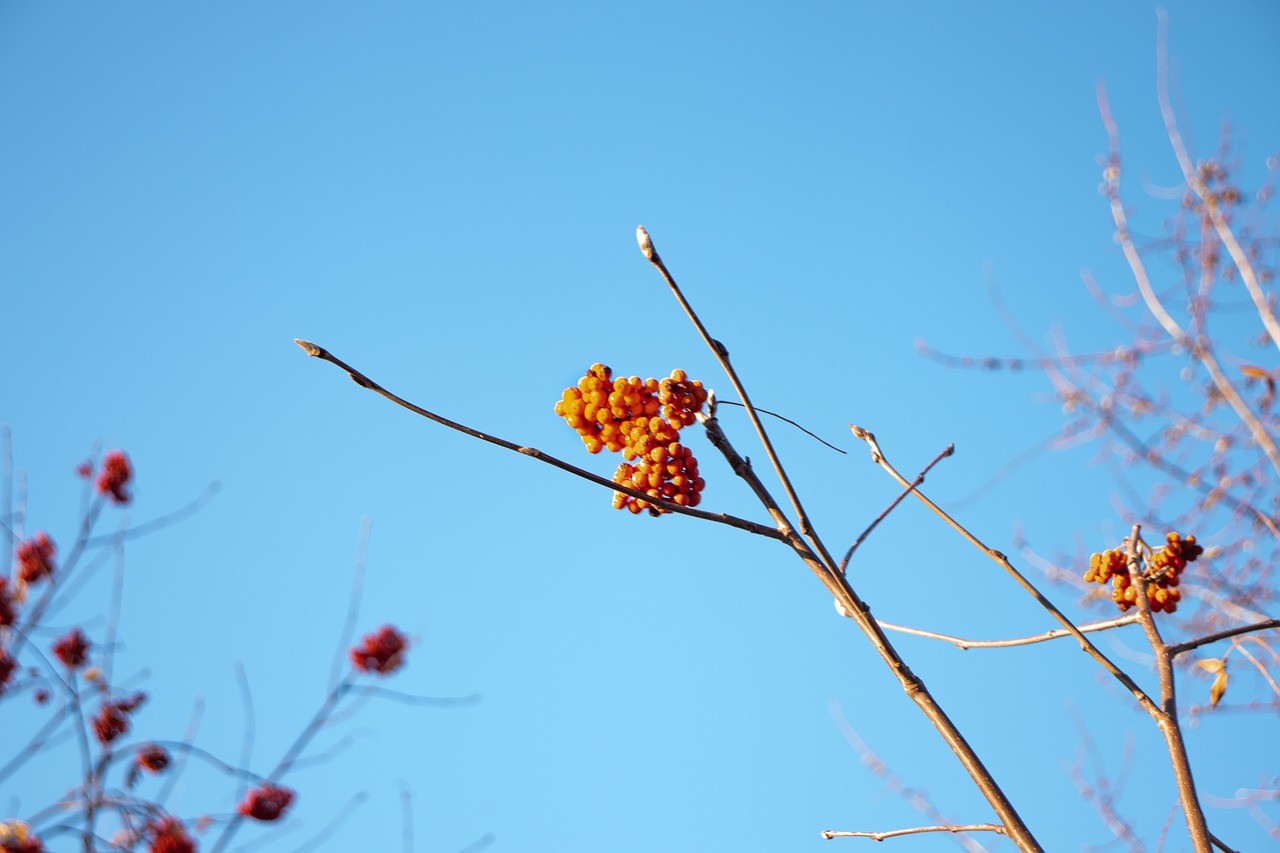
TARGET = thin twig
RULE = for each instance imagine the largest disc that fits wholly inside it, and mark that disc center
(365, 382)
(915, 830)
(1178, 648)
(246, 703)
(788, 420)
(1055, 634)
(918, 481)
(353, 605)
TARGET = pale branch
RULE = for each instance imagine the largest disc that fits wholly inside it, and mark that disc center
(1055, 634)
(919, 480)
(155, 524)
(848, 602)
(722, 355)
(365, 382)
(1167, 717)
(877, 456)
(1239, 257)
(915, 830)
(1178, 648)
(915, 797)
(1198, 347)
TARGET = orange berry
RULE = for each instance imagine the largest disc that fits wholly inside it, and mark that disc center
(678, 375)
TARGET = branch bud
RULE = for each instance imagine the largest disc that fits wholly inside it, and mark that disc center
(646, 245)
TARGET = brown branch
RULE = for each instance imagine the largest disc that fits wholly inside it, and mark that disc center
(722, 355)
(1178, 648)
(365, 382)
(893, 833)
(1016, 641)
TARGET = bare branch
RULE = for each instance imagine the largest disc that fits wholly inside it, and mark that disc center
(1055, 634)
(1179, 648)
(365, 382)
(915, 830)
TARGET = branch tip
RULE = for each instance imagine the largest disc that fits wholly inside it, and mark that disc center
(310, 348)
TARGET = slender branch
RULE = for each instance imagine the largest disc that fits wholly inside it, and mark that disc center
(365, 382)
(1178, 648)
(893, 833)
(1016, 641)
(353, 605)
(919, 480)
(722, 354)
(157, 523)
(787, 420)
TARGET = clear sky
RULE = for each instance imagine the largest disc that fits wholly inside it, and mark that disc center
(445, 195)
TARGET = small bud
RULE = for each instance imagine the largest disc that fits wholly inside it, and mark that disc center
(646, 245)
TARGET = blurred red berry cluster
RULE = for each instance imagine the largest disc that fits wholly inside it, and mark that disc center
(381, 653)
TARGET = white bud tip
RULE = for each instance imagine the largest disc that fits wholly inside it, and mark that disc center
(646, 245)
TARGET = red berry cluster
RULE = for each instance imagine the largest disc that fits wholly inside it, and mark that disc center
(113, 720)
(381, 653)
(1161, 573)
(267, 802)
(642, 419)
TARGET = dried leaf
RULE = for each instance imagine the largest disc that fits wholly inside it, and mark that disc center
(1254, 372)
(1212, 665)
(1219, 687)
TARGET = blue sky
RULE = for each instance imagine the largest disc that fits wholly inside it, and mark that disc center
(445, 195)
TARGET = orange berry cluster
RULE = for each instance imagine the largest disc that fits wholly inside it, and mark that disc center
(1161, 573)
(642, 419)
